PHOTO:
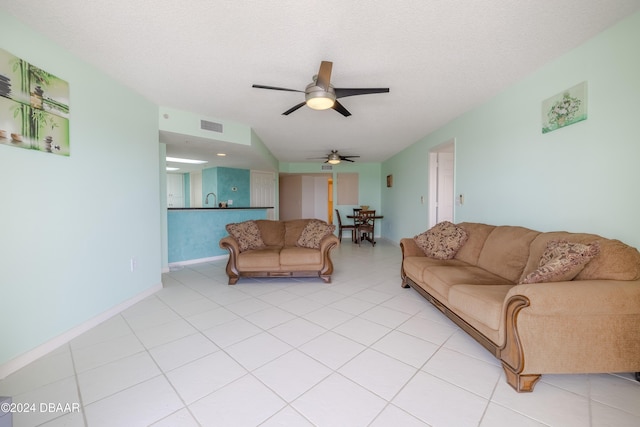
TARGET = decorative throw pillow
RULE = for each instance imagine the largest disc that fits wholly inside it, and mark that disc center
(442, 241)
(313, 233)
(562, 261)
(247, 234)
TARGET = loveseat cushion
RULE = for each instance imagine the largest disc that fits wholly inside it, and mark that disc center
(264, 259)
(292, 231)
(272, 232)
(313, 233)
(300, 259)
(247, 234)
(562, 261)
(442, 241)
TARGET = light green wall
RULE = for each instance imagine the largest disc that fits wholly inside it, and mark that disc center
(580, 178)
(70, 225)
(187, 123)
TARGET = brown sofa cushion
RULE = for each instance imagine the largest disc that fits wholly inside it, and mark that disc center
(292, 231)
(265, 259)
(442, 241)
(616, 261)
(506, 251)
(562, 261)
(272, 232)
(477, 234)
(246, 234)
(313, 233)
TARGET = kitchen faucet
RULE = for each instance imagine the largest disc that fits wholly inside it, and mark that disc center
(215, 199)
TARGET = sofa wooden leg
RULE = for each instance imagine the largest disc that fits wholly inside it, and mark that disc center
(233, 280)
(520, 383)
(327, 279)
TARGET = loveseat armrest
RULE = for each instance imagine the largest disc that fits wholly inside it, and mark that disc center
(231, 244)
(328, 242)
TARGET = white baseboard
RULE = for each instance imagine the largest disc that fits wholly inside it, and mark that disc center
(24, 359)
(197, 261)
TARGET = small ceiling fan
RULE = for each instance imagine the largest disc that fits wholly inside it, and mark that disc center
(321, 95)
(334, 158)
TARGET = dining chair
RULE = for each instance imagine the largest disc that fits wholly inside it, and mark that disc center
(344, 227)
(366, 226)
(356, 216)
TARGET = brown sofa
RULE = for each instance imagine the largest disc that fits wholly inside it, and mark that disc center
(590, 324)
(280, 252)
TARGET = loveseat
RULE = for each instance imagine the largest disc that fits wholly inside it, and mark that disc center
(267, 248)
(508, 288)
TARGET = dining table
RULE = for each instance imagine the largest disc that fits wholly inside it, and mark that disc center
(369, 238)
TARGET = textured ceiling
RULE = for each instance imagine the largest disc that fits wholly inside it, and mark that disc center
(439, 58)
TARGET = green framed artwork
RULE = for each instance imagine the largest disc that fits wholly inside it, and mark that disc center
(34, 107)
(564, 109)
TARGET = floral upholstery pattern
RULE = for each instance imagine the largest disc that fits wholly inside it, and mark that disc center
(313, 233)
(442, 241)
(562, 261)
(247, 235)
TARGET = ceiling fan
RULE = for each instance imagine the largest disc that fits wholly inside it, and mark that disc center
(334, 158)
(321, 95)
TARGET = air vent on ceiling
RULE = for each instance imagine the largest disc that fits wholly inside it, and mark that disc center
(213, 126)
(327, 167)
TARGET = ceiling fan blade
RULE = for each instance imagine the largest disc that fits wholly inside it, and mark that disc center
(324, 75)
(346, 157)
(342, 92)
(276, 88)
(348, 160)
(340, 109)
(292, 109)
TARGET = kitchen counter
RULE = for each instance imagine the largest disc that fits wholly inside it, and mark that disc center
(217, 209)
(193, 233)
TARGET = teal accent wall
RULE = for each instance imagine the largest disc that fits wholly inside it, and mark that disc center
(70, 225)
(240, 179)
(195, 234)
(581, 178)
(221, 180)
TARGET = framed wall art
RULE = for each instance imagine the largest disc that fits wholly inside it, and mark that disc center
(565, 108)
(34, 107)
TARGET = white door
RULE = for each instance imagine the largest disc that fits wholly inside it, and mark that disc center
(441, 183)
(175, 190)
(444, 209)
(263, 191)
(196, 189)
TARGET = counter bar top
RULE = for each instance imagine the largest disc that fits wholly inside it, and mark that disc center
(219, 209)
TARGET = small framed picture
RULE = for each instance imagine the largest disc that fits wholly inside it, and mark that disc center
(565, 108)
(389, 181)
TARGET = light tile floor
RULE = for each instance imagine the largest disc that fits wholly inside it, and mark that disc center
(361, 351)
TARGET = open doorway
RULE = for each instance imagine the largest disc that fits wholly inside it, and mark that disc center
(441, 182)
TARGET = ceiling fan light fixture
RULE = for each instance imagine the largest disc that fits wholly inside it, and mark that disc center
(333, 159)
(318, 98)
